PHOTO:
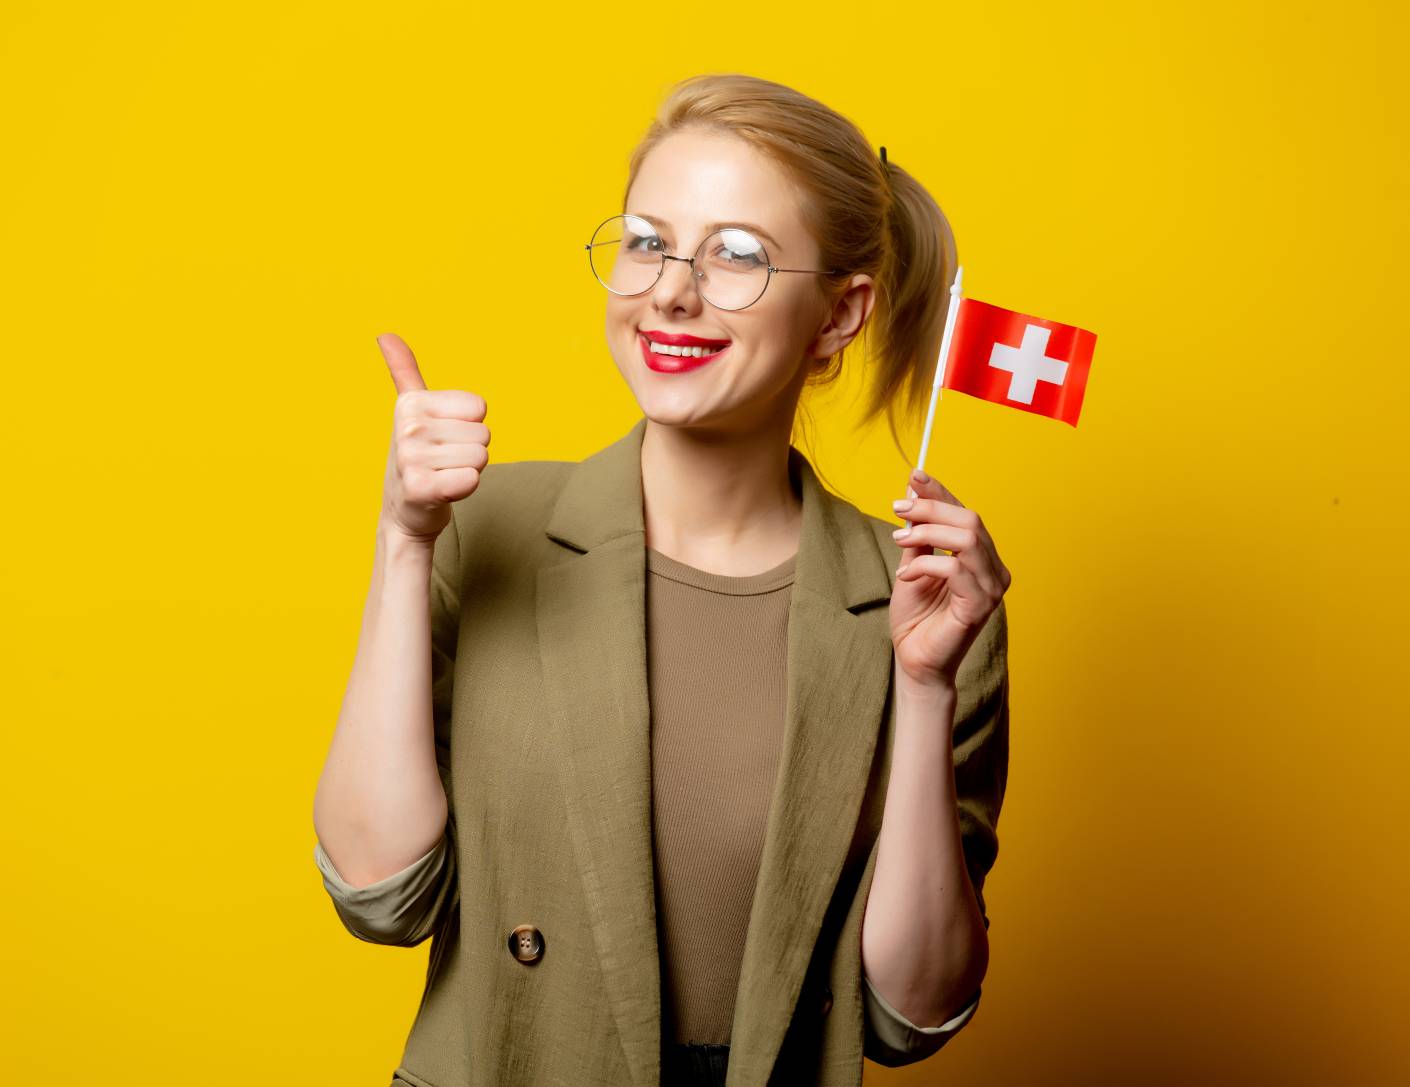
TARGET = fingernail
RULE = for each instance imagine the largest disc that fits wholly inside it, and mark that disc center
(901, 533)
(901, 505)
(901, 569)
(920, 476)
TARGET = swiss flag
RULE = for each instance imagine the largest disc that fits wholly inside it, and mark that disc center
(1025, 362)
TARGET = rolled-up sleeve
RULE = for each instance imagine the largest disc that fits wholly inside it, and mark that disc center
(893, 1040)
(402, 909)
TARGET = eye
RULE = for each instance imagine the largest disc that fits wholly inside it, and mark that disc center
(641, 243)
(736, 259)
(737, 250)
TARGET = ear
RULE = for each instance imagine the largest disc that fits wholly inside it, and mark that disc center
(848, 314)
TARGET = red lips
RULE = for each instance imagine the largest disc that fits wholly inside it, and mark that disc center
(678, 364)
(680, 339)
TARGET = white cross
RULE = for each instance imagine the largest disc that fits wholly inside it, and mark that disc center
(1029, 363)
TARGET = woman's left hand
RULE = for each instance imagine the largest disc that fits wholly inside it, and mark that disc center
(941, 602)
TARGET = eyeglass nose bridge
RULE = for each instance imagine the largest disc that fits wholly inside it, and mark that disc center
(695, 274)
(688, 260)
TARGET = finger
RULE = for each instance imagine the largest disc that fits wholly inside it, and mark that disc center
(933, 492)
(963, 542)
(950, 537)
(453, 404)
(941, 509)
(946, 568)
(453, 484)
(455, 455)
(401, 362)
(936, 511)
(926, 485)
(911, 550)
(453, 430)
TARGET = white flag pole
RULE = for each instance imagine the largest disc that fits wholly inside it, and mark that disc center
(941, 370)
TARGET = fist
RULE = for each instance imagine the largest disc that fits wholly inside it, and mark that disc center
(439, 447)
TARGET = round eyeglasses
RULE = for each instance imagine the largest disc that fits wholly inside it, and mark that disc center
(730, 268)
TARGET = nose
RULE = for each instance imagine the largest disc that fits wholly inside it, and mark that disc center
(675, 288)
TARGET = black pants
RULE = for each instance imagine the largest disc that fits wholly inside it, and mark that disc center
(694, 1065)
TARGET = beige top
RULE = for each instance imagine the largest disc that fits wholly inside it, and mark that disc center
(717, 655)
(717, 672)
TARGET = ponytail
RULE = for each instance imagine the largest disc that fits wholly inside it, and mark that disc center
(913, 298)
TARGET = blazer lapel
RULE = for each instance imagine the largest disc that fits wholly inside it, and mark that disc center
(839, 674)
(591, 616)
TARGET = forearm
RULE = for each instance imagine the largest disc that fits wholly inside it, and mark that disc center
(380, 803)
(924, 945)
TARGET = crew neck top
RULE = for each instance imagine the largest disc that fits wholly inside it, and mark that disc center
(777, 577)
(717, 652)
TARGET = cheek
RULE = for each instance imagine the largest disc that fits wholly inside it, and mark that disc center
(776, 344)
(619, 324)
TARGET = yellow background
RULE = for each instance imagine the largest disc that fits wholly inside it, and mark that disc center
(210, 212)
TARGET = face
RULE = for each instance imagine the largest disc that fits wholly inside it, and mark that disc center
(688, 182)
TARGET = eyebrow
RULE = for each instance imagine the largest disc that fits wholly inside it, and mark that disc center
(710, 228)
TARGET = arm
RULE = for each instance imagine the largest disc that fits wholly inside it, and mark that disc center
(925, 930)
(381, 813)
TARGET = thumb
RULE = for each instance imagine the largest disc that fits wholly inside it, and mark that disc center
(401, 362)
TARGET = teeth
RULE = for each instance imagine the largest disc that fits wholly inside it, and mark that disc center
(693, 352)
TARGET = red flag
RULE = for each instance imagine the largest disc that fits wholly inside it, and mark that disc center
(1024, 362)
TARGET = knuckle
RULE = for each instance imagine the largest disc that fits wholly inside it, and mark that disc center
(417, 483)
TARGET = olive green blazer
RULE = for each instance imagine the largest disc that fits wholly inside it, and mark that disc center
(542, 736)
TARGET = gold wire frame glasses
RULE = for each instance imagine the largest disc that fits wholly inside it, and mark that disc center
(730, 268)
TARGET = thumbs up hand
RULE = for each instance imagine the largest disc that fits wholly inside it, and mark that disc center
(438, 449)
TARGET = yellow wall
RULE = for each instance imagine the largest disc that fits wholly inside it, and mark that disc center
(207, 216)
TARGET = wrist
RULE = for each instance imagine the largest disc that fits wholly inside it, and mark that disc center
(399, 547)
(937, 688)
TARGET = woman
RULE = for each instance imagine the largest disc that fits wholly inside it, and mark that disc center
(691, 718)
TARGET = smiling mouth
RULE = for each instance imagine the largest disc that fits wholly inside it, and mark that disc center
(667, 359)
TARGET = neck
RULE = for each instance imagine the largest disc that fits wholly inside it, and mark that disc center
(722, 502)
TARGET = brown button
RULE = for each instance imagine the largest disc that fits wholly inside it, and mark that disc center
(526, 943)
(826, 1002)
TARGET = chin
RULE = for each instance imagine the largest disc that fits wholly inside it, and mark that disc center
(674, 410)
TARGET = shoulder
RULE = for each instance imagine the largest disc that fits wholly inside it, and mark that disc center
(513, 498)
(889, 548)
(510, 483)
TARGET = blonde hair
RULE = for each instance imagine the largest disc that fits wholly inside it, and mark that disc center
(867, 216)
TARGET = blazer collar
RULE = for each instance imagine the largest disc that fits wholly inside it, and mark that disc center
(838, 557)
(590, 616)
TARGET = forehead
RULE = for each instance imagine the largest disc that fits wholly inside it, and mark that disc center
(692, 179)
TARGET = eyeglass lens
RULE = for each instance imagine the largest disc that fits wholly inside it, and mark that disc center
(731, 267)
